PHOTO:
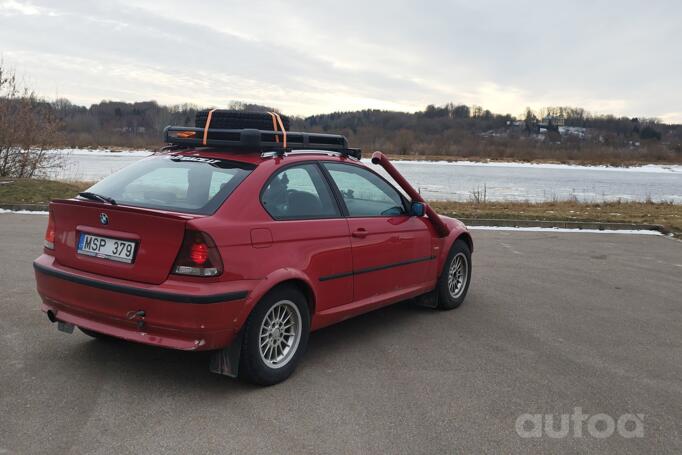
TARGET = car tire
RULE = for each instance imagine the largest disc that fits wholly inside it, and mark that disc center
(93, 334)
(275, 337)
(453, 283)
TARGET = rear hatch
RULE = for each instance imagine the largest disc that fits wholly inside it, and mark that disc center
(131, 224)
(156, 238)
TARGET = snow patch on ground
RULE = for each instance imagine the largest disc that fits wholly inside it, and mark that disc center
(101, 152)
(25, 212)
(580, 231)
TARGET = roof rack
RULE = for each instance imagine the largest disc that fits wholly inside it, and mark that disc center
(259, 141)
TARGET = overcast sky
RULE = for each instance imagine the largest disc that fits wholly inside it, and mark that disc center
(621, 57)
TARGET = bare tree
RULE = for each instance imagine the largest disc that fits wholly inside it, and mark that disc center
(28, 125)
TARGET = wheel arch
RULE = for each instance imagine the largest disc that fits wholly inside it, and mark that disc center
(467, 239)
(273, 281)
(302, 286)
(459, 234)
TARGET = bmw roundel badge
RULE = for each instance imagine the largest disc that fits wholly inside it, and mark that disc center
(104, 218)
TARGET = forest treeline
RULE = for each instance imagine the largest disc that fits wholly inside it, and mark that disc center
(565, 134)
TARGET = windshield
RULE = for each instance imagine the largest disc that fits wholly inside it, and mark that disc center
(178, 183)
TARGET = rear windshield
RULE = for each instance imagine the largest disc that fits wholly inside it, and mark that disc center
(174, 182)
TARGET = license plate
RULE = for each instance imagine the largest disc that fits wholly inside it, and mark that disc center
(106, 248)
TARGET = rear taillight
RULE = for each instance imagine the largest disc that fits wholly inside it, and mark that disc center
(198, 253)
(49, 233)
(198, 256)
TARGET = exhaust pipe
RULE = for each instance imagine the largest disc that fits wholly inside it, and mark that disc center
(62, 326)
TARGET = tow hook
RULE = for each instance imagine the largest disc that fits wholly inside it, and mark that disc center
(137, 316)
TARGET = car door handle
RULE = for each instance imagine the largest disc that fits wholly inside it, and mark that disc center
(360, 233)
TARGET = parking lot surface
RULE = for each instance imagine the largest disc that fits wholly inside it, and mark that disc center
(553, 322)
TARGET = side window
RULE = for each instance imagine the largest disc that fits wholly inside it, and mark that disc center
(364, 192)
(299, 192)
(218, 181)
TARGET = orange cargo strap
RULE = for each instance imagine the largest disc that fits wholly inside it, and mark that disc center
(208, 123)
(274, 125)
(281, 126)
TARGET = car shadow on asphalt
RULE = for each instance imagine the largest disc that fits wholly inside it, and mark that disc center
(139, 365)
(357, 332)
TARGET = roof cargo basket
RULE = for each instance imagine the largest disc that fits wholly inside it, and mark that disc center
(252, 132)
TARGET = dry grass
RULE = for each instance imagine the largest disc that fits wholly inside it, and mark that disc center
(36, 191)
(667, 214)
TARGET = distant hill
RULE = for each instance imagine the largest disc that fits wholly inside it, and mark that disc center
(553, 133)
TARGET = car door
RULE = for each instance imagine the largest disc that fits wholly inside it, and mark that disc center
(391, 249)
(309, 232)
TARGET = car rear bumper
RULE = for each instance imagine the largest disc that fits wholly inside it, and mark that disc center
(177, 314)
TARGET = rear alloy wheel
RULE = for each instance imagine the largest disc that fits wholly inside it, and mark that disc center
(453, 283)
(280, 334)
(276, 337)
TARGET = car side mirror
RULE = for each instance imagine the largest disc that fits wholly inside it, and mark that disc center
(417, 209)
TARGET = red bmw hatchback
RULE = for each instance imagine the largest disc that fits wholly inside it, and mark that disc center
(242, 239)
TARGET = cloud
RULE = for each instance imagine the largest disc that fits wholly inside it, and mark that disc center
(671, 117)
(310, 57)
(13, 7)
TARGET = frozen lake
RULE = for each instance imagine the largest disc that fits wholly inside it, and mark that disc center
(459, 180)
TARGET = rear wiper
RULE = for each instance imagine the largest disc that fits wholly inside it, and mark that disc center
(97, 197)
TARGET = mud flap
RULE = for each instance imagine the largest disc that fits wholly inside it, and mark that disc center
(429, 300)
(226, 360)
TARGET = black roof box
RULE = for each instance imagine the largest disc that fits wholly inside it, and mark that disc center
(252, 132)
(224, 119)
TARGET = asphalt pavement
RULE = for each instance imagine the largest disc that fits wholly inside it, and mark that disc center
(555, 324)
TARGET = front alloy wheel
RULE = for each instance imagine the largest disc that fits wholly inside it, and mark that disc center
(453, 283)
(458, 273)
